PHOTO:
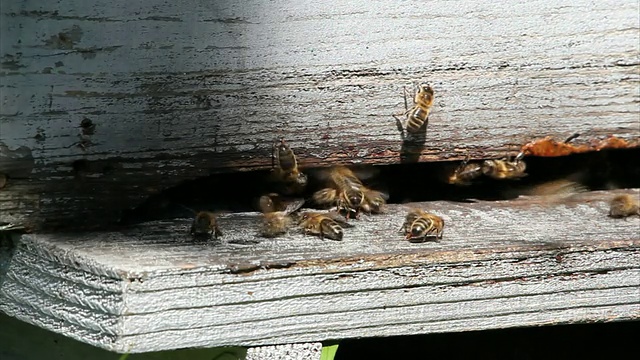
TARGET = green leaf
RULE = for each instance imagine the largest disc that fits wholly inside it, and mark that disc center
(329, 352)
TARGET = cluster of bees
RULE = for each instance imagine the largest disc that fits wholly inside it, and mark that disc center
(346, 194)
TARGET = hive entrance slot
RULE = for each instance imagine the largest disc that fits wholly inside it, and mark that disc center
(415, 182)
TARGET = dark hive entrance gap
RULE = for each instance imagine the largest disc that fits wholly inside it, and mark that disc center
(416, 182)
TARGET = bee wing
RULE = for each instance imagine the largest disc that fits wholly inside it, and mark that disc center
(324, 196)
(361, 172)
(365, 172)
(320, 174)
(335, 216)
(558, 188)
(376, 193)
(468, 169)
(293, 205)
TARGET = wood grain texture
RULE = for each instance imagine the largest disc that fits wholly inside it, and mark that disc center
(176, 91)
(522, 262)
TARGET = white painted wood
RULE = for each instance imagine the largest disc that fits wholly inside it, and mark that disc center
(179, 90)
(522, 262)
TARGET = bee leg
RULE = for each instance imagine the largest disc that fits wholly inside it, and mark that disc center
(400, 126)
(406, 107)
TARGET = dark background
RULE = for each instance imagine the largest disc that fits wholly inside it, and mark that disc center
(578, 341)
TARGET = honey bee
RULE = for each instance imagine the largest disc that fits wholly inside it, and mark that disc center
(205, 223)
(345, 190)
(278, 222)
(504, 169)
(624, 205)
(326, 225)
(286, 171)
(420, 224)
(417, 116)
(465, 173)
(273, 202)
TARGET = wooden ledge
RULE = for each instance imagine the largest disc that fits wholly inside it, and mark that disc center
(522, 262)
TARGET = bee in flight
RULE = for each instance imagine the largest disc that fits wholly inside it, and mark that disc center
(419, 225)
(416, 117)
(278, 214)
(205, 224)
(325, 225)
(624, 205)
(285, 170)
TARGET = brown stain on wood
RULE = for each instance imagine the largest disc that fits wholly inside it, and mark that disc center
(461, 257)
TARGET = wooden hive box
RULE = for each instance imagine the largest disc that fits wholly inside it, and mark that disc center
(107, 104)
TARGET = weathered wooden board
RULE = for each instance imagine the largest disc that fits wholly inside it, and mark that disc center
(503, 264)
(174, 91)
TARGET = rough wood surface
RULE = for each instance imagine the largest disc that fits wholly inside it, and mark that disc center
(523, 262)
(122, 100)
